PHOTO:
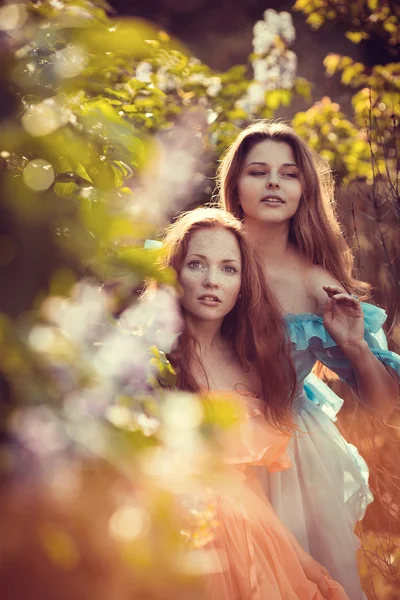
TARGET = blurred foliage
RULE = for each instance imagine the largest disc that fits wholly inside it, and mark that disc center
(95, 455)
(87, 78)
(363, 19)
(376, 106)
(363, 149)
(379, 563)
(344, 146)
(376, 103)
(109, 127)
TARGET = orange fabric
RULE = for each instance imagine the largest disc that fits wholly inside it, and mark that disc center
(254, 556)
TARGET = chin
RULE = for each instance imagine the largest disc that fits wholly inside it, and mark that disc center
(207, 315)
(212, 315)
(277, 218)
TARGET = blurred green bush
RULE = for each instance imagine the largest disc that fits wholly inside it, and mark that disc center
(108, 128)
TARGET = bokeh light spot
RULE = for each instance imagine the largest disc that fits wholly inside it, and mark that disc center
(42, 119)
(129, 522)
(12, 16)
(69, 62)
(38, 175)
(182, 411)
(41, 338)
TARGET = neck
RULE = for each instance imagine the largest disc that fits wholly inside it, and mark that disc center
(271, 240)
(206, 333)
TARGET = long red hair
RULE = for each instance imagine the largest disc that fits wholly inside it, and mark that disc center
(314, 229)
(254, 326)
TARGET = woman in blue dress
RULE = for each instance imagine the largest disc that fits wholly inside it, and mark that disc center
(271, 180)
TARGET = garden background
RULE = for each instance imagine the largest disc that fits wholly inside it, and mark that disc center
(113, 118)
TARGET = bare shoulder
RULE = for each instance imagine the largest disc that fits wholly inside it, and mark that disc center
(316, 278)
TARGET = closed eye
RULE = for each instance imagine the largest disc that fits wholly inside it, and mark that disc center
(257, 173)
(290, 174)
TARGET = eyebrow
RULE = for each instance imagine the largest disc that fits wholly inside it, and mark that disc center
(266, 164)
(226, 260)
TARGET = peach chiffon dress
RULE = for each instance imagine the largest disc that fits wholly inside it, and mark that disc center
(254, 556)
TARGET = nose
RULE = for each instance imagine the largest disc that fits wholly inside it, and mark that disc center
(273, 179)
(210, 279)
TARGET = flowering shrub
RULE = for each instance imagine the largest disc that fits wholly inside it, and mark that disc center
(97, 452)
(362, 19)
(326, 129)
(112, 130)
(376, 102)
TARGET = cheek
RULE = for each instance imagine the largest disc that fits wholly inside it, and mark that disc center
(246, 188)
(188, 283)
(296, 191)
(233, 290)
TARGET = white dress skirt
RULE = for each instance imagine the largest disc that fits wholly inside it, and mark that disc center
(326, 492)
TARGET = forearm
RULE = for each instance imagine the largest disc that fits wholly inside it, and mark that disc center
(378, 386)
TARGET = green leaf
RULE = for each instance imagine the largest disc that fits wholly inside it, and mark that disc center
(120, 94)
(356, 36)
(350, 73)
(81, 171)
(301, 5)
(273, 99)
(101, 117)
(372, 5)
(303, 88)
(129, 108)
(331, 63)
(166, 372)
(315, 20)
(145, 264)
(123, 38)
(390, 26)
(66, 190)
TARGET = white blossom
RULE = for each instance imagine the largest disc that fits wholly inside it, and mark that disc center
(257, 93)
(214, 86)
(275, 66)
(143, 72)
(165, 80)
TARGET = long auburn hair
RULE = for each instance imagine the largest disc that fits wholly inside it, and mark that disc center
(254, 326)
(314, 229)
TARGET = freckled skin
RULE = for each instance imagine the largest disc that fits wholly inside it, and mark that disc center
(212, 266)
(217, 271)
(274, 175)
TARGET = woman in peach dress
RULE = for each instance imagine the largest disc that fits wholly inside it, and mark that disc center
(257, 557)
(228, 347)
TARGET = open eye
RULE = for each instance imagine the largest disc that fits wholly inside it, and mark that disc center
(194, 264)
(230, 269)
(290, 174)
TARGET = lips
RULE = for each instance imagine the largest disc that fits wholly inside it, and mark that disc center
(272, 199)
(209, 298)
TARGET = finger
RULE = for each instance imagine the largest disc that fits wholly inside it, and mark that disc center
(328, 306)
(331, 290)
(324, 587)
(346, 299)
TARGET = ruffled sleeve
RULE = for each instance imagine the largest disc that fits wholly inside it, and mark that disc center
(307, 331)
(253, 441)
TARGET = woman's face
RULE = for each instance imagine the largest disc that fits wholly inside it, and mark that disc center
(269, 187)
(211, 274)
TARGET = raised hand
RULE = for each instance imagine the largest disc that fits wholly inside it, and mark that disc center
(343, 318)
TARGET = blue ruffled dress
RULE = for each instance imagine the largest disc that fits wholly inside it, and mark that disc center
(326, 492)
